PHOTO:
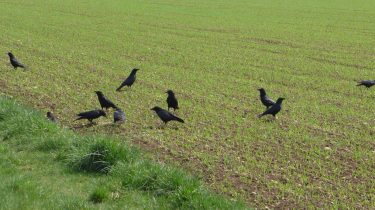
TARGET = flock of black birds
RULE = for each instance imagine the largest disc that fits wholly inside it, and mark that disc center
(105, 103)
(272, 107)
(119, 115)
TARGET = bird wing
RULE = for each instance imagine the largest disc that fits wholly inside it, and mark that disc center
(128, 81)
(170, 100)
(109, 103)
(112, 104)
(17, 63)
(169, 116)
(269, 100)
(87, 114)
(271, 110)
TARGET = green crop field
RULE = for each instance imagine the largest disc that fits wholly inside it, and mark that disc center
(320, 152)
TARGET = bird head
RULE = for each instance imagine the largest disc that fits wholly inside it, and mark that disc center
(49, 114)
(280, 100)
(262, 91)
(135, 70)
(170, 92)
(10, 55)
(156, 108)
(99, 93)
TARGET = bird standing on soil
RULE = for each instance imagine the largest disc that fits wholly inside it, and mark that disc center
(266, 101)
(51, 117)
(166, 116)
(130, 80)
(366, 83)
(274, 109)
(118, 116)
(15, 63)
(91, 115)
(172, 100)
(104, 102)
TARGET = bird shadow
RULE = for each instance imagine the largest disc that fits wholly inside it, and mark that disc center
(124, 90)
(101, 125)
(161, 127)
(81, 126)
(112, 125)
(269, 119)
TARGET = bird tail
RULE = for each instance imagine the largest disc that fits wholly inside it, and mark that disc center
(179, 120)
(24, 67)
(119, 88)
(78, 118)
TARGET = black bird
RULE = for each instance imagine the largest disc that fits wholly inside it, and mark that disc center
(172, 100)
(266, 101)
(118, 116)
(51, 117)
(274, 109)
(130, 80)
(367, 83)
(91, 115)
(166, 116)
(15, 63)
(104, 102)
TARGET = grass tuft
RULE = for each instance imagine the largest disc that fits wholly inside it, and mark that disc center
(101, 157)
(99, 195)
(156, 178)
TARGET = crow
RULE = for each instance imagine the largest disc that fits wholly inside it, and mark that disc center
(91, 115)
(104, 102)
(266, 101)
(166, 116)
(118, 116)
(51, 117)
(15, 63)
(367, 83)
(274, 109)
(130, 80)
(172, 100)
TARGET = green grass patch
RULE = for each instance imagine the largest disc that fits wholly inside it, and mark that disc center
(35, 153)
